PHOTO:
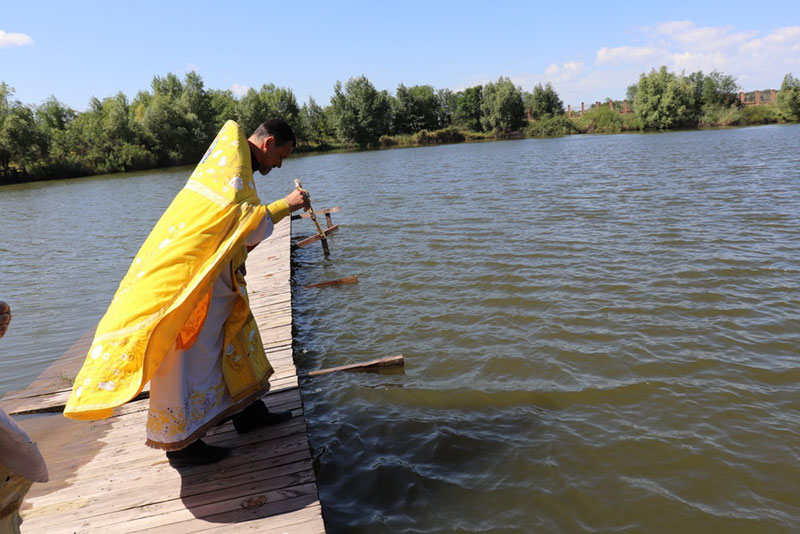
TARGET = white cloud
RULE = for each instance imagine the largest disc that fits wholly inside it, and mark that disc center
(627, 54)
(555, 74)
(191, 67)
(564, 72)
(673, 27)
(788, 35)
(239, 90)
(693, 61)
(757, 60)
(702, 38)
(14, 39)
(753, 58)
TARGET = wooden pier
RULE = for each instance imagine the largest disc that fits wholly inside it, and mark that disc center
(104, 479)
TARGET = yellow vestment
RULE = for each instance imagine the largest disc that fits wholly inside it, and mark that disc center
(162, 301)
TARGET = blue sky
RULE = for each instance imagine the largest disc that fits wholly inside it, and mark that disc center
(588, 50)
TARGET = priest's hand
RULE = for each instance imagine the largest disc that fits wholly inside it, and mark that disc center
(297, 200)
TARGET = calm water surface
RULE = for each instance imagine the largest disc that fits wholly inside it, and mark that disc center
(601, 332)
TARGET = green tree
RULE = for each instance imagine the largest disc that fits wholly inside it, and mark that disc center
(630, 93)
(6, 102)
(166, 130)
(789, 97)
(281, 102)
(52, 117)
(21, 142)
(316, 121)
(120, 138)
(715, 89)
(544, 102)
(448, 103)
(175, 122)
(719, 89)
(105, 138)
(223, 106)
(362, 113)
(195, 98)
(502, 108)
(79, 146)
(200, 115)
(6, 98)
(696, 80)
(139, 105)
(169, 86)
(468, 108)
(665, 100)
(115, 123)
(417, 109)
(268, 102)
(252, 110)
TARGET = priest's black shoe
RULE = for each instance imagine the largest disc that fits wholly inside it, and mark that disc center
(198, 453)
(257, 416)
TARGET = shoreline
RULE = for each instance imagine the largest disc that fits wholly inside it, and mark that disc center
(478, 138)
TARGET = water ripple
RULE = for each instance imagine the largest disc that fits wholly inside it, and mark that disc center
(617, 351)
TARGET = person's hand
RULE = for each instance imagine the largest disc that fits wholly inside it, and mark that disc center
(297, 200)
(5, 317)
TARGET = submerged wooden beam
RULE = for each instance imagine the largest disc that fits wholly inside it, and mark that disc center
(315, 238)
(373, 365)
(338, 282)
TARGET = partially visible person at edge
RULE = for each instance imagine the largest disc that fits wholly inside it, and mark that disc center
(181, 317)
(21, 464)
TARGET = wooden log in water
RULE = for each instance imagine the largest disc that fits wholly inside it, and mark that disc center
(314, 238)
(373, 365)
(338, 282)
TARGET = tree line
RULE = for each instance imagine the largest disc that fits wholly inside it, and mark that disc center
(664, 100)
(174, 121)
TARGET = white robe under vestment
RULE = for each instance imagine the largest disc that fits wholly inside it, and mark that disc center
(188, 393)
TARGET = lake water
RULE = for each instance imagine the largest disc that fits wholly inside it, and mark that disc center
(601, 333)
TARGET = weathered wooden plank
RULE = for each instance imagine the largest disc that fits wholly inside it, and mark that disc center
(123, 443)
(295, 521)
(187, 484)
(140, 495)
(135, 482)
(161, 515)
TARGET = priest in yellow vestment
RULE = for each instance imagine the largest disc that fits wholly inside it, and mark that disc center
(181, 319)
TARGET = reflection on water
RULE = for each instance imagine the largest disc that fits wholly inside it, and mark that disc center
(600, 332)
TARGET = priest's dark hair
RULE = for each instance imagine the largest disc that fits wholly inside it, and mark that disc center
(277, 128)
